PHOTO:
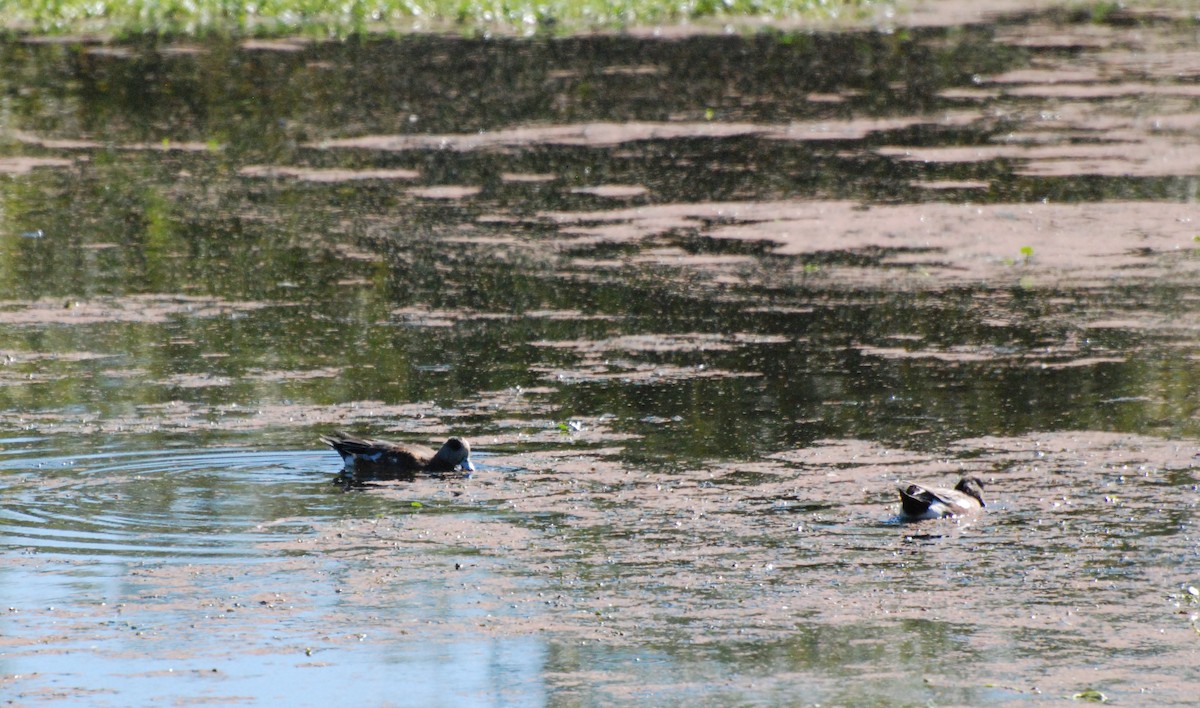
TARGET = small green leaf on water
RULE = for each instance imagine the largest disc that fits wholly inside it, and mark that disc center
(1091, 695)
(1027, 251)
(417, 505)
(166, 142)
(709, 114)
(1196, 237)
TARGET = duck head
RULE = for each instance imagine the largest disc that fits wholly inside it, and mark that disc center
(454, 452)
(972, 487)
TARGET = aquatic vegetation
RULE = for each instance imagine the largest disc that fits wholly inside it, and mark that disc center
(343, 18)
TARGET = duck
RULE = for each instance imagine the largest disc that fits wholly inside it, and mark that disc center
(382, 458)
(917, 502)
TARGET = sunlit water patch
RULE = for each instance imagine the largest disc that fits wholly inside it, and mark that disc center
(130, 575)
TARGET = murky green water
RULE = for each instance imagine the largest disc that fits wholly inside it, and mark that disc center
(698, 302)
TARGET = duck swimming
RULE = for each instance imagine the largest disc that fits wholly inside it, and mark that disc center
(381, 458)
(917, 502)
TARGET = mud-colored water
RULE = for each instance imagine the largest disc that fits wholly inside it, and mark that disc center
(700, 303)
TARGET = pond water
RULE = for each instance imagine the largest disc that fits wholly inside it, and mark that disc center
(699, 303)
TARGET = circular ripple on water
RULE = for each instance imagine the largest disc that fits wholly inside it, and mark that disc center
(218, 503)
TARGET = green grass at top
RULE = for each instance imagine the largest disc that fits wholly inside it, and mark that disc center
(345, 17)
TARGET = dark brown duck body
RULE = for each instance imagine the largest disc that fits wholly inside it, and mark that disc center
(382, 458)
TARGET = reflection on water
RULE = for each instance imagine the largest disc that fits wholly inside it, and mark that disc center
(701, 303)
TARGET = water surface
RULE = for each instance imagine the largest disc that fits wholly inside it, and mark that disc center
(699, 303)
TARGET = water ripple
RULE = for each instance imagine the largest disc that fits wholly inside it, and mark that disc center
(219, 503)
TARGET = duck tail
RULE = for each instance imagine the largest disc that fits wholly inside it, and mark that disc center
(345, 444)
(914, 500)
